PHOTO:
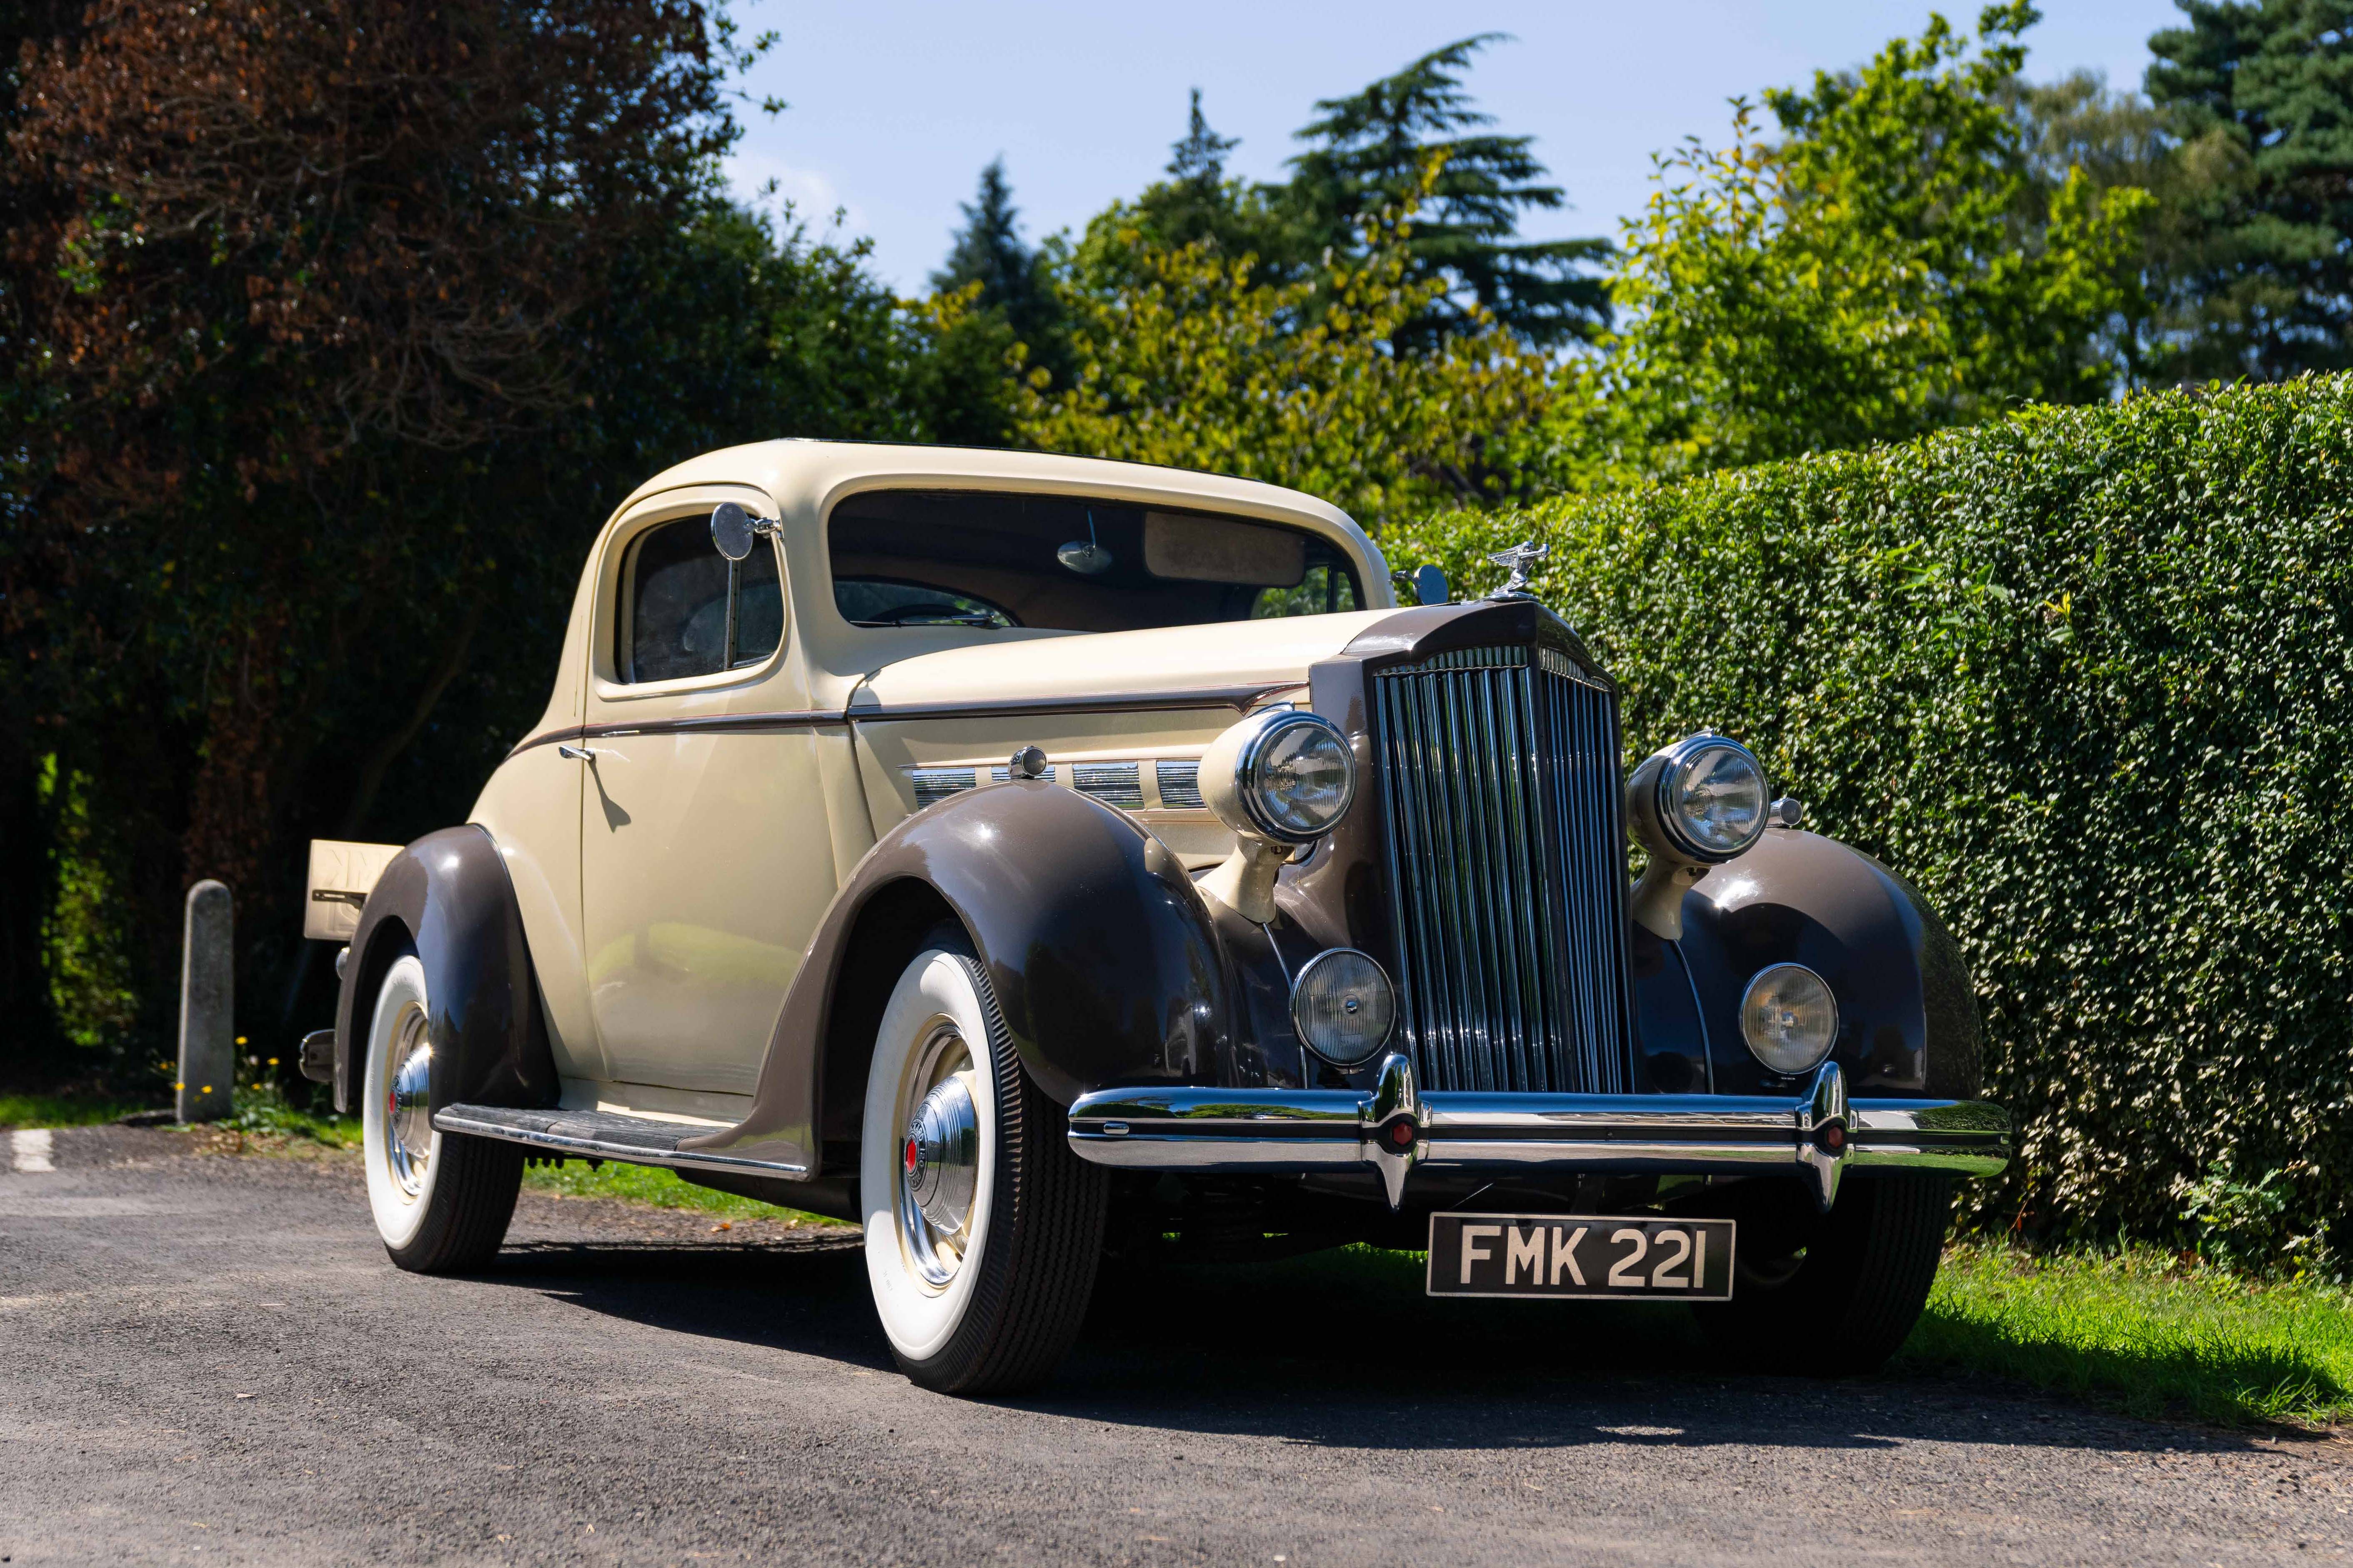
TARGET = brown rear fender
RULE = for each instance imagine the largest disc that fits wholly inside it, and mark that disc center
(447, 898)
(1104, 959)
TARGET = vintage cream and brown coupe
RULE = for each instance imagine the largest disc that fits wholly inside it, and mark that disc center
(1037, 859)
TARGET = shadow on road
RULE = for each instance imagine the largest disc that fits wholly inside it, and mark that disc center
(1334, 1349)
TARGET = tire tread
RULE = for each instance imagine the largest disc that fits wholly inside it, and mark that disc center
(1039, 1273)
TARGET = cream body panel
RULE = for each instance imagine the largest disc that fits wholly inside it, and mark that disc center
(848, 815)
(530, 808)
(1083, 667)
(889, 750)
(1269, 658)
(696, 1108)
(706, 858)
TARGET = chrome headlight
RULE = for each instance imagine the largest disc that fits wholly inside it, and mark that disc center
(1284, 775)
(1712, 799)
(1343, 1006)
(1788, 1017)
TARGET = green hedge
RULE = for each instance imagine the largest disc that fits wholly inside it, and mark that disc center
(2083, 677)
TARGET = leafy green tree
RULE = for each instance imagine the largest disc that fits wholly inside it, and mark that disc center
(1197, 361)
(2261, 96)
(1005, 275)
(1889, 265)
(1370, 152)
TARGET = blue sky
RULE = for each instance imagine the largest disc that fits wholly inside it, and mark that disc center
(895, 107)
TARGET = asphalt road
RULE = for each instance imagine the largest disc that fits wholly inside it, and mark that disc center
(207, 1359)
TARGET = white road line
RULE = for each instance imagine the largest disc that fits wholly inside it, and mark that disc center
(32, 1149)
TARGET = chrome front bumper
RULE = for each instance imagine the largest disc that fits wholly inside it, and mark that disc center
(1818, 1134)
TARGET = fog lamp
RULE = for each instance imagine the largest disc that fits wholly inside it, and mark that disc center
(1343, 1006)
(1788, 1017)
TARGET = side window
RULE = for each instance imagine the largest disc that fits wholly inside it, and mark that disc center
(690, 611)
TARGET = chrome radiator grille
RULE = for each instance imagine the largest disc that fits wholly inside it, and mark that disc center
(1507, 879)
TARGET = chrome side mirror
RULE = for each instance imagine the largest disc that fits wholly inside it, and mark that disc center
(1427, 583)
(732, 530)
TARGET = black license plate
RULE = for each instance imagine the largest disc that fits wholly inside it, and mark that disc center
(1582, 1255)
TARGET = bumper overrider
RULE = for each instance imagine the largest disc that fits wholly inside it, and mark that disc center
(1818, 1134)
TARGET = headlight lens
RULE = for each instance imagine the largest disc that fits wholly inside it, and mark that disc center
(1711, 798)
(1790, 1018)
(1343, 1006)
(1296, 777)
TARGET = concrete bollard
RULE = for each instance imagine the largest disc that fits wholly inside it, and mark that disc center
(208, 1006)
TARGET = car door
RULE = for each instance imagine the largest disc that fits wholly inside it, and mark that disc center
(705, 859)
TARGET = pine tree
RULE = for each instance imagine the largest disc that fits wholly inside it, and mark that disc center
(2257, 94)
(1198, 202)
(989, 251)
(1371, 150)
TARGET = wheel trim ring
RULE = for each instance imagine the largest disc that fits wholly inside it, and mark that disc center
(934, 1256)
(407, 1106)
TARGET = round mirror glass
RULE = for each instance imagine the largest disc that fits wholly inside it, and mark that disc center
(1428, 585)
(731, 530)
(1086, 557)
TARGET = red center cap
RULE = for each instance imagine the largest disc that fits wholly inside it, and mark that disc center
(1401, 1134)
(911, 1156)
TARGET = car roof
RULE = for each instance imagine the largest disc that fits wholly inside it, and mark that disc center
(801, 466)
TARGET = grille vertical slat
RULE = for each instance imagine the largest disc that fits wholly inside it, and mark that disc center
(1508, 886)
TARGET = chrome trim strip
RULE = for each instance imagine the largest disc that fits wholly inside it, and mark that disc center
(1180, 784)
(1815, 1134)
(934, 785)
(539, 1130)
(1237, 698)
(1114, 783)
(714, 723)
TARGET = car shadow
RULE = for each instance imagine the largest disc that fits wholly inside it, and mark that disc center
(805, 1294)
(1341, 1349)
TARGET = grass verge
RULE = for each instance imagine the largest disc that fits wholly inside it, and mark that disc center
(2137, 1328)
(61, 1111)
(2135, 1331)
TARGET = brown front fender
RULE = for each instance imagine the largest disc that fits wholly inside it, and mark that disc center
(1104, 958)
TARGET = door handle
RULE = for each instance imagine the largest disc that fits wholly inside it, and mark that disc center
(577, 753)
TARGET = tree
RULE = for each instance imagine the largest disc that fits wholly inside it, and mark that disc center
(1196, 361)
(331, 340)
(1006, 278)
(2258, 94)
(1371, 150)
(1890, 265)
(1200, 202)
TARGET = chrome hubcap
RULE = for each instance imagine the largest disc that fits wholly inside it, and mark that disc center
(408, 1110)
(939, 1158)
(942, 1156)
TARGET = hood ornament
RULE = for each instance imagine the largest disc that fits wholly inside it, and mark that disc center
(1517, 560)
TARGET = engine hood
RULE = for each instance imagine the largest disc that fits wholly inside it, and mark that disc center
(1111, 666)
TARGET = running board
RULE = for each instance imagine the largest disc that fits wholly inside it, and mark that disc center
(602, 1135)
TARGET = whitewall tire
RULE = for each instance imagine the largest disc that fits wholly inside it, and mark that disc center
(983, 1230)
(440, 1203)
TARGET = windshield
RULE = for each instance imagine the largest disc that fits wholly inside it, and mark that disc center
(989, 560)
